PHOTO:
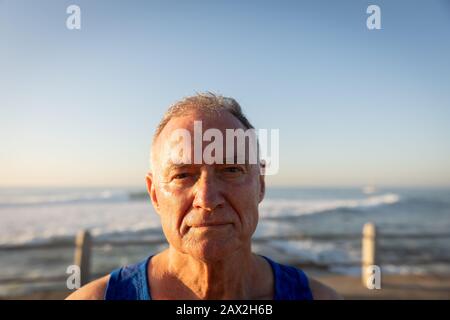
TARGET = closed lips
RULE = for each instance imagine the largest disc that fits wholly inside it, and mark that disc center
(210, 225)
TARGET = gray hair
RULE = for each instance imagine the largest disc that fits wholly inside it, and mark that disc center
(205, 102)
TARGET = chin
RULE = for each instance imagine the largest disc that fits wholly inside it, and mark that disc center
(212, 250)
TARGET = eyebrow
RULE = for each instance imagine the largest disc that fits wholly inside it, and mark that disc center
(174, 166)
(234, 160)
(177, 166)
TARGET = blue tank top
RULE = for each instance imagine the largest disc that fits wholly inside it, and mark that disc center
(131, 282)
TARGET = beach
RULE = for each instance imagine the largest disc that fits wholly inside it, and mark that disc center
(349, 287)
(397, 287)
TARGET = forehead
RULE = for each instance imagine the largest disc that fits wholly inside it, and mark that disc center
(220, 120)
(211, 119)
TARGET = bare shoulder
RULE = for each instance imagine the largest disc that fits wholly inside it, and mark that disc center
(94, 290)
(322, 292)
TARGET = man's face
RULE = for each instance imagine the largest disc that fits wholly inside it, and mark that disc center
(207, 210)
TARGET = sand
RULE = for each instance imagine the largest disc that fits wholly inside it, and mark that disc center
(393, 287)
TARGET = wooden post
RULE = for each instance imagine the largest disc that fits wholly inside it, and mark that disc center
(369, 251)
(83, 255)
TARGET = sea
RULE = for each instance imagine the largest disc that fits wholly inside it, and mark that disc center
(319, 228)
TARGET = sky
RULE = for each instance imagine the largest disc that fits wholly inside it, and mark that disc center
(354, 106)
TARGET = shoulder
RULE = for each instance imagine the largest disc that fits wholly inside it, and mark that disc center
(94, 290)
(322, 292)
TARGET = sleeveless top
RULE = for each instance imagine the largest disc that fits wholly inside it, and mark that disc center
(131, 282)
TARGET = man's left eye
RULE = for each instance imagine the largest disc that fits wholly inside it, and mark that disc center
(233, 169)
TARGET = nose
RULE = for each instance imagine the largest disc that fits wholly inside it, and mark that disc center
(208, 195)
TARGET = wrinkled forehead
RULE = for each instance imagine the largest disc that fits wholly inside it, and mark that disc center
(202, 129)
(219, 119)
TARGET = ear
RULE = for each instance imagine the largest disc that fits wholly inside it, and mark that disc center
(262, 182)
(151, 191)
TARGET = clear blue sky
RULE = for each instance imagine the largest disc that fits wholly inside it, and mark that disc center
(354, 107)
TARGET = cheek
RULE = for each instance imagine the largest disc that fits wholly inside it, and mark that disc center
(244, 199)
(173, 205)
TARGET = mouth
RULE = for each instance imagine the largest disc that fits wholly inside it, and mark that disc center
(210, 225)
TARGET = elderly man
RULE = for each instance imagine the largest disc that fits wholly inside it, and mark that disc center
(208, 212)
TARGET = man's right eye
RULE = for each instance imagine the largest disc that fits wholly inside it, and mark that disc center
(180, 176)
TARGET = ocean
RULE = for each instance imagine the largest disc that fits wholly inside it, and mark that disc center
(315, 227)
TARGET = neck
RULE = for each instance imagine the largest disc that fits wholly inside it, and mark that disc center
(237, 276)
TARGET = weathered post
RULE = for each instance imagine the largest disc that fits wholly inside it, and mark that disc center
(83, 255)
(369, 251)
